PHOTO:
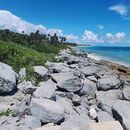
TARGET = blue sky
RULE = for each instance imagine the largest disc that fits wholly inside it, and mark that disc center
(84, 21)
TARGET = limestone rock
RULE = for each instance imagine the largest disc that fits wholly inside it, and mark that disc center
(47, 110)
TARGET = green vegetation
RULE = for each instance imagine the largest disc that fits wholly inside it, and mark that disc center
(7, 112)
(22, 50)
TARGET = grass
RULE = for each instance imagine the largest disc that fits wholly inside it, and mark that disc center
(19, 56)
(7, 112)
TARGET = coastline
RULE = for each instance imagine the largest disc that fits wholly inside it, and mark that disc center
(74, 85)
(113, 57)
(98, 58)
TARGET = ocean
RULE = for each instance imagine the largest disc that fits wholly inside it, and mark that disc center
(119, 55)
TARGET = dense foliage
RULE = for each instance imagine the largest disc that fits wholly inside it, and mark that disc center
(22, 50)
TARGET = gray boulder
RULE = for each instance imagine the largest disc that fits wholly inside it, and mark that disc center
(126, 93)
(45, 89)
(104, 116)
(26, 87)
(108, 83)
(68, 82)
(121, 112)
(66, 104)
(41, 70)
(90, 70)
(76, 100)
(7, 79)
(57, 67)
(47, 110)
(89, 88)
(77, 123)
(110, 94)
(32, 122)
(92, 78)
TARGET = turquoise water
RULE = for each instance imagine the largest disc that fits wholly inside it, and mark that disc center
(119, 55)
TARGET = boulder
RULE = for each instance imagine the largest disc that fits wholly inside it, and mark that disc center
(92, 78)
(121, 112)
(108, 83)
(104, 116)
(68, 82)
(110, 94)
(126, 93)
(57, 67)
(32, 122)
(90, 70)
(76, 100)
(106, 105)
(47, 110)
(76, 123)
(45, 89)
(26, 87)
(7, 79)
(89, 88)
(41, 70)
(66, 104)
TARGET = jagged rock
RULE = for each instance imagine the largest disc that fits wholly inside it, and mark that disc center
(104, 116)
(76, 123)
(47, 110)
(45, 89)
(110, 94)
(60, 94)
(68, 82)
(41, 70)
(90, 70)
(89, 88)
(26, 87)
(66, 104)
(92, 113)
(108, 83)
(92, 78)
(76, 100)
(126, 93)
(7, 79)
(32, 122)
(121, 112)
(57, 67)
(106, 105)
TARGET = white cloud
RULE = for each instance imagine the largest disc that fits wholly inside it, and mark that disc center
(120, 9)
(89, 36)
(14, 23)
(71, 37)
(118, 37)
(100, 26)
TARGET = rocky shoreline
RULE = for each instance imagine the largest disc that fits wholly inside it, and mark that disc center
(74, 92)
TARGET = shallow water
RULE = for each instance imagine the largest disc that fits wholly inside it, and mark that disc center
(119, 55)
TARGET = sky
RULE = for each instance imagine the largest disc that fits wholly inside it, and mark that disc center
(95, 22)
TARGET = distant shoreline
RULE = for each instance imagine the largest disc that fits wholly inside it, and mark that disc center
(100, 57)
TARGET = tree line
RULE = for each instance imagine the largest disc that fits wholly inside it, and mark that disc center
(32, 38)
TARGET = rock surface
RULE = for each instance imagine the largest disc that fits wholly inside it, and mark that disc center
(41, 70)
(47, 110)
(108, 83)
(121, 112)
(73, 92)
(68, 82)
(45, 90)
(7, 79)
